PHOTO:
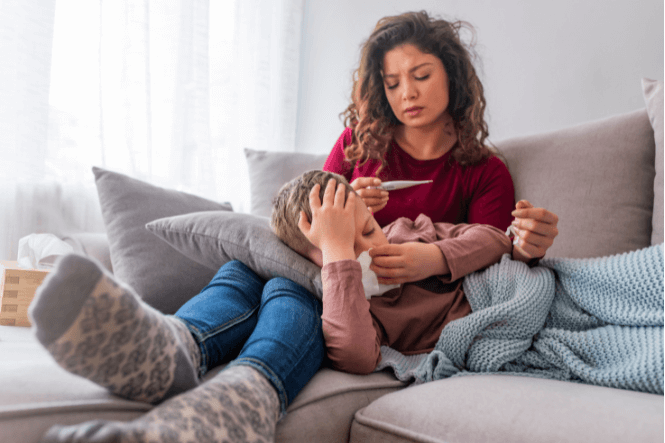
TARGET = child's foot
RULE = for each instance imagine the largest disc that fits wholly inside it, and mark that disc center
(99, 329)
(237, 405)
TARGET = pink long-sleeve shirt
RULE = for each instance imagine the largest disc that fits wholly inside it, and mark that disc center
(479, 193)
(410, 318)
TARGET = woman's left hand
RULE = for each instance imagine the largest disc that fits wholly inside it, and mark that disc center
(536, 228)
(406, 262)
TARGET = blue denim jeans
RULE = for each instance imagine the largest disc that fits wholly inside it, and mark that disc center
(274, 327)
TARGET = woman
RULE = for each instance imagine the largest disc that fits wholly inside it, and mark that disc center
(417, 113)
(405, 131)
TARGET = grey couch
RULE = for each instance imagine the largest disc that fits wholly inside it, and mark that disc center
(605, 181)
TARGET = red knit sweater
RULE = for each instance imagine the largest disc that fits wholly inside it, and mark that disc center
(481, 193)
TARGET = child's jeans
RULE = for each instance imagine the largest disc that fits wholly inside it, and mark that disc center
(275, 326)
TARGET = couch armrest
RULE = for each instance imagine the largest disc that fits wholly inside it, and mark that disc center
(95, 245)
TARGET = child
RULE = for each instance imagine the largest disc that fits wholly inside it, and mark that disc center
(320, 216)
(597, 321)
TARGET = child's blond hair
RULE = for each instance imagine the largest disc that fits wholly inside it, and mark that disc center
(292, 198)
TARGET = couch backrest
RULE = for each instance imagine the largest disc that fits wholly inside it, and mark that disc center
(598, 177)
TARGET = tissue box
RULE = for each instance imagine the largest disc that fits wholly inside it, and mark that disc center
(17, 288)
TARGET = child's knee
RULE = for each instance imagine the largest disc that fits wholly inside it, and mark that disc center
(234, 265)
(282, 284)
(237, 269)
(283, 287)
(237, 275)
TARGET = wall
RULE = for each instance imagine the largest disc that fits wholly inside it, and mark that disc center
(545, 64)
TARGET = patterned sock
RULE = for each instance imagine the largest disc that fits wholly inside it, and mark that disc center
(237, 405)
(101, 330)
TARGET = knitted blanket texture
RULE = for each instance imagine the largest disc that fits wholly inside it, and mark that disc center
(597, 321)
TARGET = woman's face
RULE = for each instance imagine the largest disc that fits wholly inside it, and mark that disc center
(416, 85)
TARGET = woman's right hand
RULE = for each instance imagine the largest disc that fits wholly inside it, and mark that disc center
(365, 187)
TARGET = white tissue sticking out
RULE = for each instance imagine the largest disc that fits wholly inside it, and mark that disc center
(39, 251)
(513, 230)
(370, 281)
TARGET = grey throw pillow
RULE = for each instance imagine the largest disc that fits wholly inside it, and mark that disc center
(268, 171)
(214, 238)
(161, 276)
(598, 177)
(653, 97)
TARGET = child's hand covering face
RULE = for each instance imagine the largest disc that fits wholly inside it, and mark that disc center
(340, 230)
(330, 230)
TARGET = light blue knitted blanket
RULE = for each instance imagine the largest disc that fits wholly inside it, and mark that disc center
(596, 321)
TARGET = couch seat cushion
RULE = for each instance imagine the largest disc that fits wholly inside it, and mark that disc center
(324, 409)
(36, 393)
(503, 408)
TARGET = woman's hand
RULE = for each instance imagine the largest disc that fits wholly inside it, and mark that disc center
(536, 228)
(375, 199)
(407, 262)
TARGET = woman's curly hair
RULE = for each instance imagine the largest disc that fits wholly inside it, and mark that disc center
(370, 115)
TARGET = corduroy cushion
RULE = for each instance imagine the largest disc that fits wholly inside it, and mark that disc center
(598, 177)
(164, 278)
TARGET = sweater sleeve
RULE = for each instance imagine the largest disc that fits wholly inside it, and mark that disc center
(336, 161)
(493, 196)
(352, 342)
(465, 248)
(469, 248)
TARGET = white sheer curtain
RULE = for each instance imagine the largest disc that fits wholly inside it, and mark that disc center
(166, 91)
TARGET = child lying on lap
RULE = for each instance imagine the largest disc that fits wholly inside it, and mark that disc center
(320, 216)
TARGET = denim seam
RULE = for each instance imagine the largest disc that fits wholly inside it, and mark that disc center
(203, 366)
(319, 323)
(270, 375)
(232, 322)
(315, 304)
(201, 337)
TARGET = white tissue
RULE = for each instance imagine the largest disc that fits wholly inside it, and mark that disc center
(370, 281)
(39, 251)
(512, 230)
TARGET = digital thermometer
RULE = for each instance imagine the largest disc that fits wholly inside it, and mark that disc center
(401, 184)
